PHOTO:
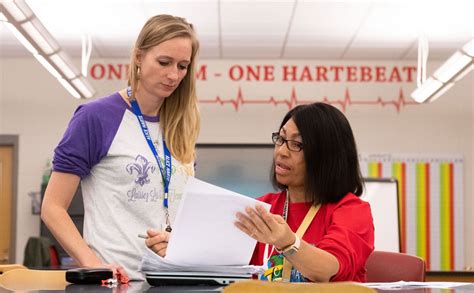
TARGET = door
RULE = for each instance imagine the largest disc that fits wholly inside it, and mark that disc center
(6, 175)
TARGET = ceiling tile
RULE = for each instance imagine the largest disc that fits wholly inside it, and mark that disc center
(202, 14)
(337, 22)
(393, 27)
(245, 23)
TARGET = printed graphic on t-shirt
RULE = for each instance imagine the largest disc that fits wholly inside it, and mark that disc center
(275, 271)
(142, 194)
(142, 167)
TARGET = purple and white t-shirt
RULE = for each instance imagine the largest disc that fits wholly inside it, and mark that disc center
(120, 178)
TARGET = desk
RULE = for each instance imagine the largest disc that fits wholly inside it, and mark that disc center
(131, 288)
(140, 287)
(144, 287)
(447, 276)
(460, 289)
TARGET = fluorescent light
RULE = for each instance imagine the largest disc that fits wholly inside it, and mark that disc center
(18, 10)
(426, 90)
(469, 48)
(83, 86)
(29, 30)
(63, 63)
(441, 91)
(48, 66)
(69, 88)
(456, 63)
(464, 72)
(40, 36)
(21, 38)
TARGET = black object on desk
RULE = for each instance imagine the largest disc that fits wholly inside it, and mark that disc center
(88, 276)
(193, 278)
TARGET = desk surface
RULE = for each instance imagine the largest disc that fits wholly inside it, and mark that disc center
(450, 276)
(144, 287)
(460, 289)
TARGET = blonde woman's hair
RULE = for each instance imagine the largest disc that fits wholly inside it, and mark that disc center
(179, 115)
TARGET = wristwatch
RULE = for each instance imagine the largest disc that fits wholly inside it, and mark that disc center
(291, 249)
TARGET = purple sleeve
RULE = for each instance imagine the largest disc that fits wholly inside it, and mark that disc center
(87, 138)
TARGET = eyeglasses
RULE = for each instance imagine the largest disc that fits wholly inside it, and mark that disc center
(292, 145)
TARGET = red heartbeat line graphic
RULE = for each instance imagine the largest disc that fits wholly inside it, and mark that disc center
(293, 101)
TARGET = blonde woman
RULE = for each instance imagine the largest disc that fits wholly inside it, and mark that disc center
(132, 152)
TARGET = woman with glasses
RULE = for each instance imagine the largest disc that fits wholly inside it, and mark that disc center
(318, 228)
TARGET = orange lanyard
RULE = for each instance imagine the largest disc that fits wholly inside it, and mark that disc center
(287, 266)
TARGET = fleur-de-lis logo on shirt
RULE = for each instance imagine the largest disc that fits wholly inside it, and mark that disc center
(142, 167)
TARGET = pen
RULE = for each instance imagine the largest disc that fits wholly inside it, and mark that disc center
(143, 236)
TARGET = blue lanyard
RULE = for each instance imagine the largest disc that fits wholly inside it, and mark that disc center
(166, 170)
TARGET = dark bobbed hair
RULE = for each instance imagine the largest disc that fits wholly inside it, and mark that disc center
(330, 153)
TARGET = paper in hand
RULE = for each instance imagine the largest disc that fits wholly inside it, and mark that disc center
(204, 232)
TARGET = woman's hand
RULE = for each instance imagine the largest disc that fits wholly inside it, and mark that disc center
(157, 241)
(265, 227)
(119, 272)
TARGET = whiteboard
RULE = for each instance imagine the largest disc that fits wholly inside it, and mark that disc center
(382, 194)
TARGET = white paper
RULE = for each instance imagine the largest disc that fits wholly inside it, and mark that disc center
(152, 262)
(413, 285)
(204, 233)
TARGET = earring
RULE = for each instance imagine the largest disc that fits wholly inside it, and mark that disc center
(138, 72)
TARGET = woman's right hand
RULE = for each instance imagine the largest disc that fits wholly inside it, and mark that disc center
(119, 272)
(157, 241)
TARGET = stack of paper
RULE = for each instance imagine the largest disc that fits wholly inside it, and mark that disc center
(204, 237)
(152, 262)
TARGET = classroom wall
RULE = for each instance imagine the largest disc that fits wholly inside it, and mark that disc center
(36, 107)
(1, 91)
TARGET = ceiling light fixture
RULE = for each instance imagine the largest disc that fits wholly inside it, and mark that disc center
(451, 71)
(29, 30)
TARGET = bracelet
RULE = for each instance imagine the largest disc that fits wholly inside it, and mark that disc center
(292, 248)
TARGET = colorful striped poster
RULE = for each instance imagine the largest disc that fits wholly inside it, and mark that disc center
(430, 204)
(446, 216)
(375, 170)
(423, 211)
(399, 172)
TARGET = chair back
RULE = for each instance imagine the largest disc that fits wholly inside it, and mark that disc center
(40, 253)
(27, 280)
(9, 267)
(384, 266)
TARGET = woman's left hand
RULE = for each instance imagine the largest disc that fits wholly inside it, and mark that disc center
(265, 227)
